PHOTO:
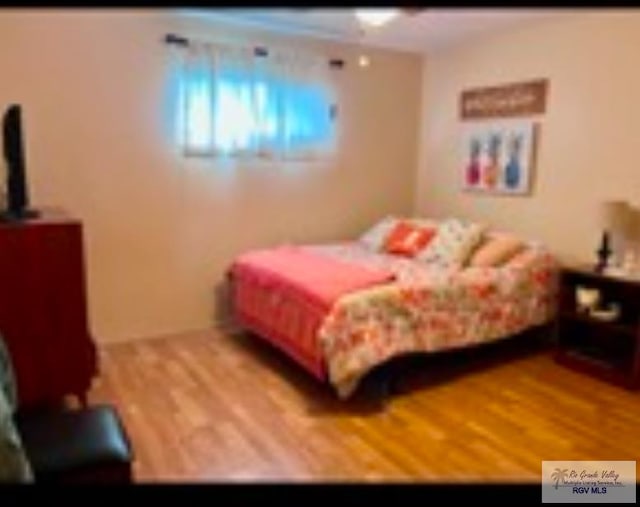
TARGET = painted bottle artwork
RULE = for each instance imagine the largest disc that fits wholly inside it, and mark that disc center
(473, 169)
(496, 157)
(492, 169)
(513, 169)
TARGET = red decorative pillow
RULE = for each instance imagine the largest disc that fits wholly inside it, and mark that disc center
(408, 239)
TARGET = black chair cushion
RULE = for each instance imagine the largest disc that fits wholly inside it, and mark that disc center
(81, 442)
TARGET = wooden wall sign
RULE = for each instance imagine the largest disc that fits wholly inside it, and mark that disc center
(515, 99)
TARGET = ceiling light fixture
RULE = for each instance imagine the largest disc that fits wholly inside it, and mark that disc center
(376, 17)
(363, 61)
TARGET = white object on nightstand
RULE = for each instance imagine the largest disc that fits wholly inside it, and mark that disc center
(609, 314)
(587, 298)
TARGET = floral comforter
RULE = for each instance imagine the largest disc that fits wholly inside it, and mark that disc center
(428, 309)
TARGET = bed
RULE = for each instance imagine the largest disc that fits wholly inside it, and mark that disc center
(342, 309)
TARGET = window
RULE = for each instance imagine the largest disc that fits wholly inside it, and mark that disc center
(234, 102)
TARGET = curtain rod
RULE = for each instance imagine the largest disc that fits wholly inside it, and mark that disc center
(178, 40)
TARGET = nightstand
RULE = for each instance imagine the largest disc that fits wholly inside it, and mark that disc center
(609, 350)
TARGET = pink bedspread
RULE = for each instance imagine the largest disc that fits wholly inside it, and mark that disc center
(285, 293)
(321, 280)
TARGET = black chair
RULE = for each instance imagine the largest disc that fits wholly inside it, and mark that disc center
(88, 445)
(85, 445)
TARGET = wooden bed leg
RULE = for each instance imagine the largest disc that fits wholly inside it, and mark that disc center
(387, 389)
(387, 384)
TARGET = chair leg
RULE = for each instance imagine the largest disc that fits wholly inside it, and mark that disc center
(83, 399)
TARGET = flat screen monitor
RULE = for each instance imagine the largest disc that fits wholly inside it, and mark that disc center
(16, 178)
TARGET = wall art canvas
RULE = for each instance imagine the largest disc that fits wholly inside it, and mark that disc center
(499, 156)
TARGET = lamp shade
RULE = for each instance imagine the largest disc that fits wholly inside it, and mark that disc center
(614, 216)
(633, 225)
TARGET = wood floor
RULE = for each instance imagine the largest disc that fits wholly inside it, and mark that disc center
(209, 407)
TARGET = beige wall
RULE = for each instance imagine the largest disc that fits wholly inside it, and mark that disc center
(590, 134)
(160, 230)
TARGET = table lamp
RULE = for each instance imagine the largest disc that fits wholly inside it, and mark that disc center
(632, 235)
(614, 221)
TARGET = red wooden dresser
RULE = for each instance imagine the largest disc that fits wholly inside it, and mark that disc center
(43, 310)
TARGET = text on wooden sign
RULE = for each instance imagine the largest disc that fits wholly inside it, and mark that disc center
(515, 99)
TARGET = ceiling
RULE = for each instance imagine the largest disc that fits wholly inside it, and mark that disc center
(424, 31)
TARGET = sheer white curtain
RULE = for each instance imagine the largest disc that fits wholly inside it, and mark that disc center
(236, 103)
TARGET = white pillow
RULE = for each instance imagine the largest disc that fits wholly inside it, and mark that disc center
(375, 237)
(453, 244)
